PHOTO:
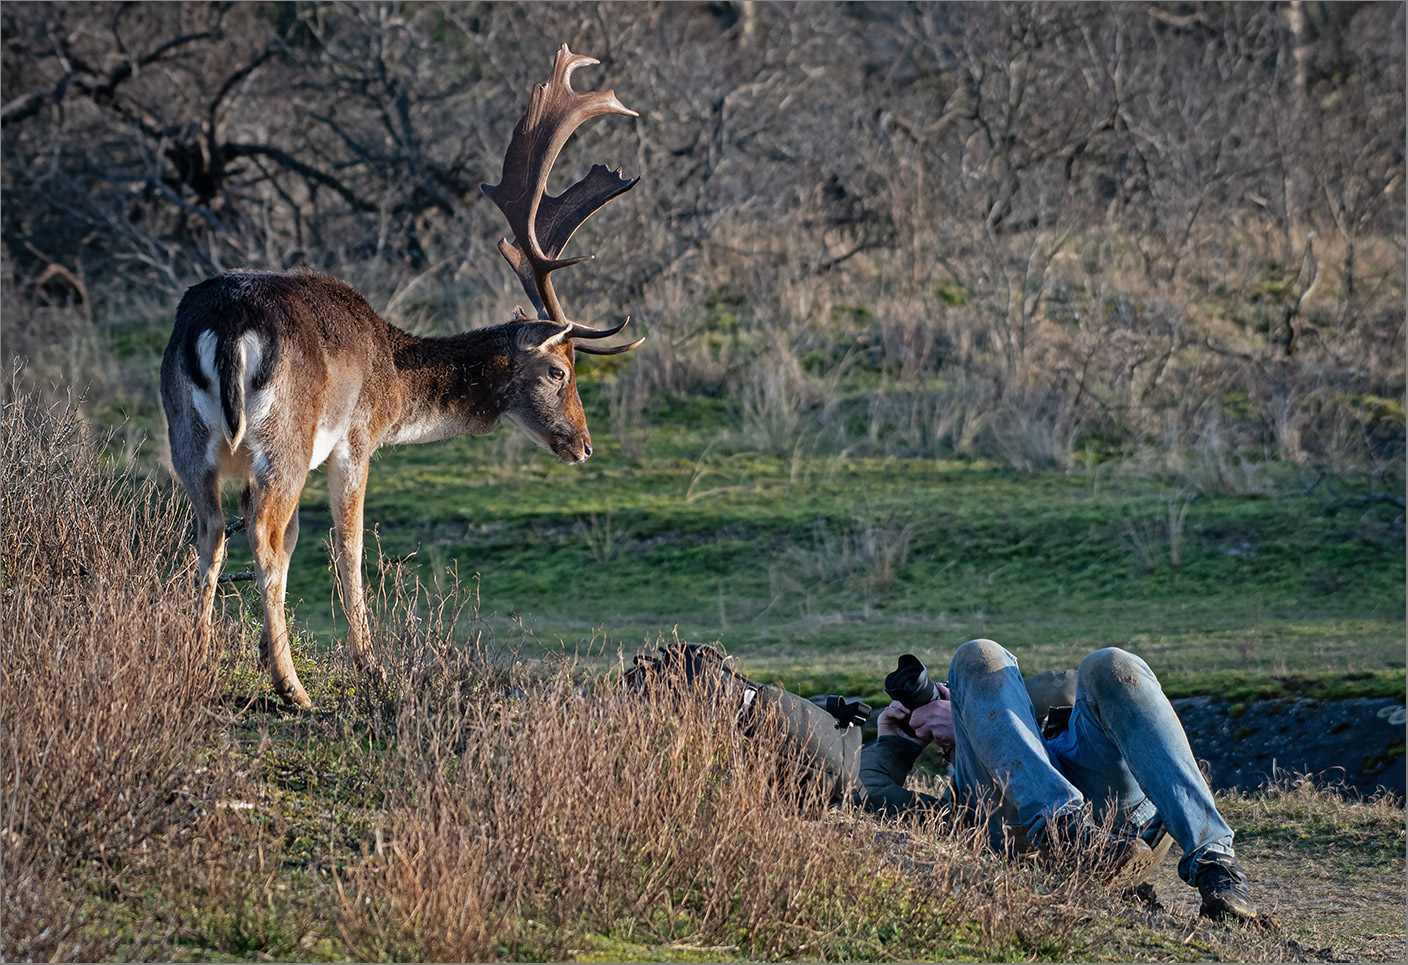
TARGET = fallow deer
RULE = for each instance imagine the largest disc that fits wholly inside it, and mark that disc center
(268, 375)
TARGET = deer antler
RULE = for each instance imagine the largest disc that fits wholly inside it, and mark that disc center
(542, 224)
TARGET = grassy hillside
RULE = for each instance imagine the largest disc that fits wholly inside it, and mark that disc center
(818, 540)
(819, 568)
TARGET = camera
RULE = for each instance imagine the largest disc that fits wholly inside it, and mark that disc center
(909, 683)
(848, 713)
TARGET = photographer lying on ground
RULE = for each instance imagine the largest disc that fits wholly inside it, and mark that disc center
(1122, 746)
(1111, 738)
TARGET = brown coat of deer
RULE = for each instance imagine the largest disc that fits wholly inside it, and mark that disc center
(269, 375)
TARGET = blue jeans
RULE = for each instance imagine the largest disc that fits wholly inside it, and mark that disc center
(1124, 749)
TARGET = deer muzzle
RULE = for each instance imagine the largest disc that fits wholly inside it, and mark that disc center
(573, 449)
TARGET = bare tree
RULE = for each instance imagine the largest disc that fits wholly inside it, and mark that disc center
(1061, 203)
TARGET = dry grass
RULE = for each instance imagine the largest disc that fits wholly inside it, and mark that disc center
(108, 724)
(868, 553)
(473, 808)
(542, 825)
(1298, 804)
(1326, 868)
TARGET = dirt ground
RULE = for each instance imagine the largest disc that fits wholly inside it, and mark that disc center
(1333, 913)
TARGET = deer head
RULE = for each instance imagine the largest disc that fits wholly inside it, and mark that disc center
(541, 395)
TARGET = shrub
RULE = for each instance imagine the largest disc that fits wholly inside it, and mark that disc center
(107, 699)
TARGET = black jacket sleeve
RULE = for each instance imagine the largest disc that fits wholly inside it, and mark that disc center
(884, 764)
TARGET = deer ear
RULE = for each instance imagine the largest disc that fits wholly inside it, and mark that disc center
(541, 336)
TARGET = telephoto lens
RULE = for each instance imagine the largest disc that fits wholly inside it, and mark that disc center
(909, 683)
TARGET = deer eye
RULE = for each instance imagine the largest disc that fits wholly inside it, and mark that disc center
(556, 374)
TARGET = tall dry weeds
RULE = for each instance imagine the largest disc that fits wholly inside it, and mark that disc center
(107, 717)
(533, 820)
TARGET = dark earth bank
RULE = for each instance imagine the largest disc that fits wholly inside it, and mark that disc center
(1357, 744)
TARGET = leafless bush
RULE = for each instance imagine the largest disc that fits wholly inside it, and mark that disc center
(602, 539)
(626, 398)
(772, 400)
(782, 403)
(937, 423)
(1212, 466)
(513, 453)
(909, 342)
(1035, 434)
(108, 719)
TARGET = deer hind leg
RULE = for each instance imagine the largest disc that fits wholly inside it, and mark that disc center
(210, 539)
(247, 513)
(290, 542)
(273, 529)
(347, 486)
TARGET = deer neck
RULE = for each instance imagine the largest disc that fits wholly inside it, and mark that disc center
(452, 385)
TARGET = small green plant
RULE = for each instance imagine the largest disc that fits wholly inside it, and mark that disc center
(1149, 537)
(866, 552)
(600, 537)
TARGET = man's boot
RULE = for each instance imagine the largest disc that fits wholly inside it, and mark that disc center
(1225, 891)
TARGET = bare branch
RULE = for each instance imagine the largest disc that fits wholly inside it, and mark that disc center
(29, 104)
(307, 171)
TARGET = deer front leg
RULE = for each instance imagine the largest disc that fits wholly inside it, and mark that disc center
(347, 487)
(275, 518)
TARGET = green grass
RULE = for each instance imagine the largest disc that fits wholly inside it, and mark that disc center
(819, 569)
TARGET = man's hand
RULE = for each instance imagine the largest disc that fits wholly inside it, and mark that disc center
(934, 722)
(892, 721)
